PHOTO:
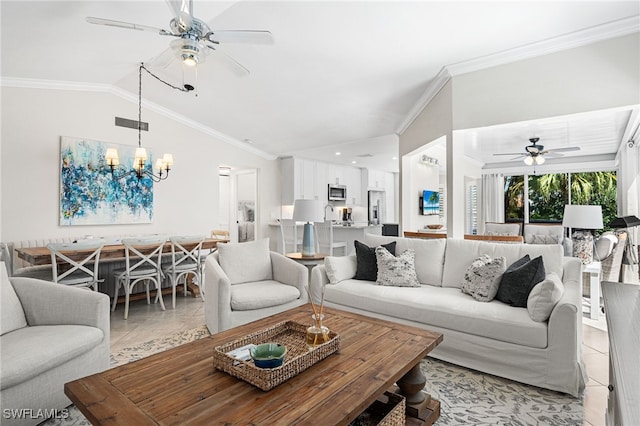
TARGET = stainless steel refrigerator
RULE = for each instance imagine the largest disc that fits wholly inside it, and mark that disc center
(377, 209)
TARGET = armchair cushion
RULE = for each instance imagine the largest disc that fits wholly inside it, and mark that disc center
(30, 351)
(12, 314)
(246, 262)
(261, 294)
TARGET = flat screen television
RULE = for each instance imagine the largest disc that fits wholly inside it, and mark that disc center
(430, 203)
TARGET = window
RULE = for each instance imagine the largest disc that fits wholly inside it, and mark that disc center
(546, 195)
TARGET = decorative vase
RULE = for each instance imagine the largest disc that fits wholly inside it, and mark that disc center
(317, 334)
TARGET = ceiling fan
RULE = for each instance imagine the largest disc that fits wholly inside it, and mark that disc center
(194, 39)
(535, 153)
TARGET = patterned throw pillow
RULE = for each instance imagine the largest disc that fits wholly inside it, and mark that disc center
(396, 271)
(483, 276)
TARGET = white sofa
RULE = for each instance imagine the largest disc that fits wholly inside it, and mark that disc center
(51, 334)
(491, 337)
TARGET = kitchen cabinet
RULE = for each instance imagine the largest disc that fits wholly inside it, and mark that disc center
(302, 179)
(385, 181)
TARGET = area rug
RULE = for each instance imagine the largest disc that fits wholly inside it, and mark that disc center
(467, 397)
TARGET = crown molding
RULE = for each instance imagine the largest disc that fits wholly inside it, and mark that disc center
(572, 40)
(432, 90)
(128, 96)
(584, 37)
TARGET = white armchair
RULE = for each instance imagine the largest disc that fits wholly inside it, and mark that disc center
(51, 334)
(247, 281)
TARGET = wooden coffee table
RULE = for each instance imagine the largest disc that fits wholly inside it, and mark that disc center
(181, 386)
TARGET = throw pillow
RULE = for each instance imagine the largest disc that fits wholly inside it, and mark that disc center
(246, 262)
(544, 297)
(545, 239)
(366, 263)
(483, 277)
(517, 282)
(396, 271)
(340, 268)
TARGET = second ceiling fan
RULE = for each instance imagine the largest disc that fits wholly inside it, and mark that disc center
(536, 153)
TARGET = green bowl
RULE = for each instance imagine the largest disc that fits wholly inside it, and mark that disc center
(268, 355)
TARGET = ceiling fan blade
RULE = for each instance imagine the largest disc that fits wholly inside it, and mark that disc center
(552, 154)
(234, 66)
(510, 153)
(127, 25)
(164, 59)
(567, 149)
(182, 11)
(240, 36)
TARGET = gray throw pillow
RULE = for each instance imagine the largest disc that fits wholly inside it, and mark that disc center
(483, 277)
(518, 281)
(396, 271)
(366, 263)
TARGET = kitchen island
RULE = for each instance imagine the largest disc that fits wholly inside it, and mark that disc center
(354, 232)
(340, 233)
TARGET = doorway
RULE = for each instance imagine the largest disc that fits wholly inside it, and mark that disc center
(238, 207)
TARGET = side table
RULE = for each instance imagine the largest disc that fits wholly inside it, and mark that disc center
(593, 269)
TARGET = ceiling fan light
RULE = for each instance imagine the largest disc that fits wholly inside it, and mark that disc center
(190, 59)
(540, 160)
(528, 161)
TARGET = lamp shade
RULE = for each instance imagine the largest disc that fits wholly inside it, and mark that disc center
(624, 222)
(582, 216)
(307, 211)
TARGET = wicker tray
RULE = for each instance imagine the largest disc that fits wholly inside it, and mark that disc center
(299, 357)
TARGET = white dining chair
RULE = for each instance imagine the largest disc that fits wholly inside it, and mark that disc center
(324, 238)
(143, 263)
(185, 260)
(288, 236)
(76, 264)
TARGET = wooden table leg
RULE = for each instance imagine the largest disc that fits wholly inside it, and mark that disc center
(421, 407)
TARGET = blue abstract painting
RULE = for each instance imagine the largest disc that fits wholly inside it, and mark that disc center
(91, 195)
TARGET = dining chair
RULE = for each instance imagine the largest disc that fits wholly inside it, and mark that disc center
(220, 234)
(76, 264)
(185, 260)
(324, 238)
(143, 263)
(288, 236)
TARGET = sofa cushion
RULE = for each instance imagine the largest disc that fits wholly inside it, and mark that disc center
(262, 294)
(544, 296)
(366, 262)
(397, 271)
(518, 281)
(429, 255)
(448, 308)
(246, 262)
(460, 253)
(12, 314)
(340, 268)
(30, 351)
(483, 277)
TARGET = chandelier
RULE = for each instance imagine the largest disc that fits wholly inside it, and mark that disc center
(163, 165)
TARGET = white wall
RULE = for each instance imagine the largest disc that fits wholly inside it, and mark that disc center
(588, 78)
(188, 202)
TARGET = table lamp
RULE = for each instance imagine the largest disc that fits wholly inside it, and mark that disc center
(308, 211)
(582, 217)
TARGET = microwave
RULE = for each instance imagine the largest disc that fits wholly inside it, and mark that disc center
(337, 192)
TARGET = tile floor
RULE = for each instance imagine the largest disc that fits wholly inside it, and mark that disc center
(147, 322)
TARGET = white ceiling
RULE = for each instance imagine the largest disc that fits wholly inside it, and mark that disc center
(339, 73)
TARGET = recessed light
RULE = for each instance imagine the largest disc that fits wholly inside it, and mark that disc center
(338, 153)
(394, 158)
(353, 162)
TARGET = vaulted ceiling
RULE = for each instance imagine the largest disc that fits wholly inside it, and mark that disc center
(339, 76)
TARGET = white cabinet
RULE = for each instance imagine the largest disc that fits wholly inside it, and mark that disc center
(353, 181)
(302, 179)
(381, 180)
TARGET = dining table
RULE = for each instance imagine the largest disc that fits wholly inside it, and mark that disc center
(111, 252)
